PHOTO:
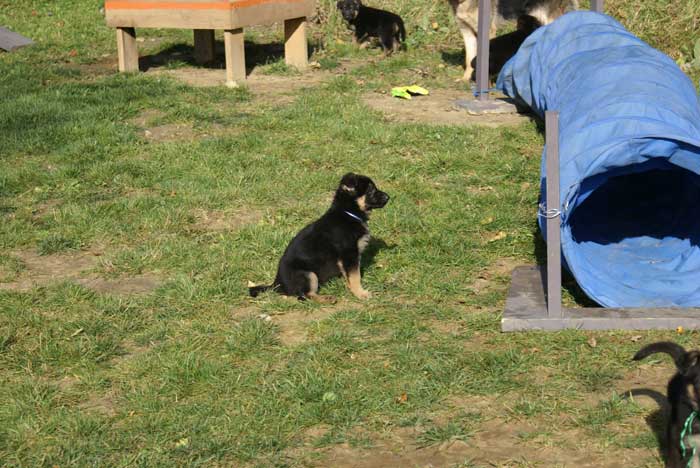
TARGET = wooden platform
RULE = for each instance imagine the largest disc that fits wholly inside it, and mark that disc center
(526, 309)
(10, 41)
(204, 16)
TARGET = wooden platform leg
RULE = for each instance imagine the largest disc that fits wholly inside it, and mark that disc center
(235, 56)
(296, 52)
(203, 45)
(126, 50)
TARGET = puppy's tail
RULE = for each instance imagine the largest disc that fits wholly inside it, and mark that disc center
(676, 351)
(255, 290)
(402, 32)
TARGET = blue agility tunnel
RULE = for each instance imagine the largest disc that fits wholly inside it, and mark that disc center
(629, 148)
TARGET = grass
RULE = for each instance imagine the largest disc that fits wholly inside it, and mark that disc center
(189, 374)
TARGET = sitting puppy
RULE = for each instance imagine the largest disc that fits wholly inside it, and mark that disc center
(371, 22)
(332, 245)
(683, 396)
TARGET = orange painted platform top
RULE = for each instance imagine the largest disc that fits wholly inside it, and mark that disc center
(203, 14)
(191, 4)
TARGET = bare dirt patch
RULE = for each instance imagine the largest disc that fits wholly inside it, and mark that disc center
(276, 90)
(217, 221)
(101, 404)
(163, 132)
(437, 108)
(294, 326)
(46, 208)
(140, 284)
(43, 270)
(487, 277)
(497, 443)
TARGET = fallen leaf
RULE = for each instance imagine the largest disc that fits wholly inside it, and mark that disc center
(487, 220)
(435, 25)
(497, 236)
(535, 350)
(77, 332)
(679, 330)
(184, 442)
(265, 317)
(636, 338)
(73, 53)
(402, 399)
(329, 397)
(592, 342)
(251, 284)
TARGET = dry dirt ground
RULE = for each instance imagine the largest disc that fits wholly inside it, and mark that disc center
(79, 267)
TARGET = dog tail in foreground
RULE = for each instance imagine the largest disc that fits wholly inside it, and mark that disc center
(676, 351)
(402, 31)
(255, 290)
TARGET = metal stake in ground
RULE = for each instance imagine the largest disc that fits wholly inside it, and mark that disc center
(482, 50)
(553, 215)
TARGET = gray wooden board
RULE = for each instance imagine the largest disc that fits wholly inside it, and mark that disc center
(10, 41)
(526, 309)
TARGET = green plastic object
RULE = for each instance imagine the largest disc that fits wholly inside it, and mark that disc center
(407, 92)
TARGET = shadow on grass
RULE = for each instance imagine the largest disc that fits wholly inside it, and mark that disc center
(255, 55)
(658, 420)
(375, 245)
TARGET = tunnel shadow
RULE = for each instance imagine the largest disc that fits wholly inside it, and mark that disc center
(568, 282)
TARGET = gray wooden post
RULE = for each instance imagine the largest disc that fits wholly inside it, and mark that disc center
(553, 217)
(482, 50)
(597, 6)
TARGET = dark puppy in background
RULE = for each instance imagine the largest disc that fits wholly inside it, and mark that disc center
(332, 245)
(683, 396)
(371, 22)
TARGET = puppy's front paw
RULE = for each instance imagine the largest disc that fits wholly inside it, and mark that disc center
(362, 294)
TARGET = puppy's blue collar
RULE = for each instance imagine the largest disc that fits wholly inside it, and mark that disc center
(354, 216)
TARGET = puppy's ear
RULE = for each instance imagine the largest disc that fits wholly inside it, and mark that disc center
(349, 183)
(690, 363)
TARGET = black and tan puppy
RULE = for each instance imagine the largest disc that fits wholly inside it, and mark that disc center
(330, 246)
(371, 22)
(683, 396)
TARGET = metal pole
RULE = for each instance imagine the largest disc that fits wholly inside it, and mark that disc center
(597, 6)
(553, 215)
(482, 50)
